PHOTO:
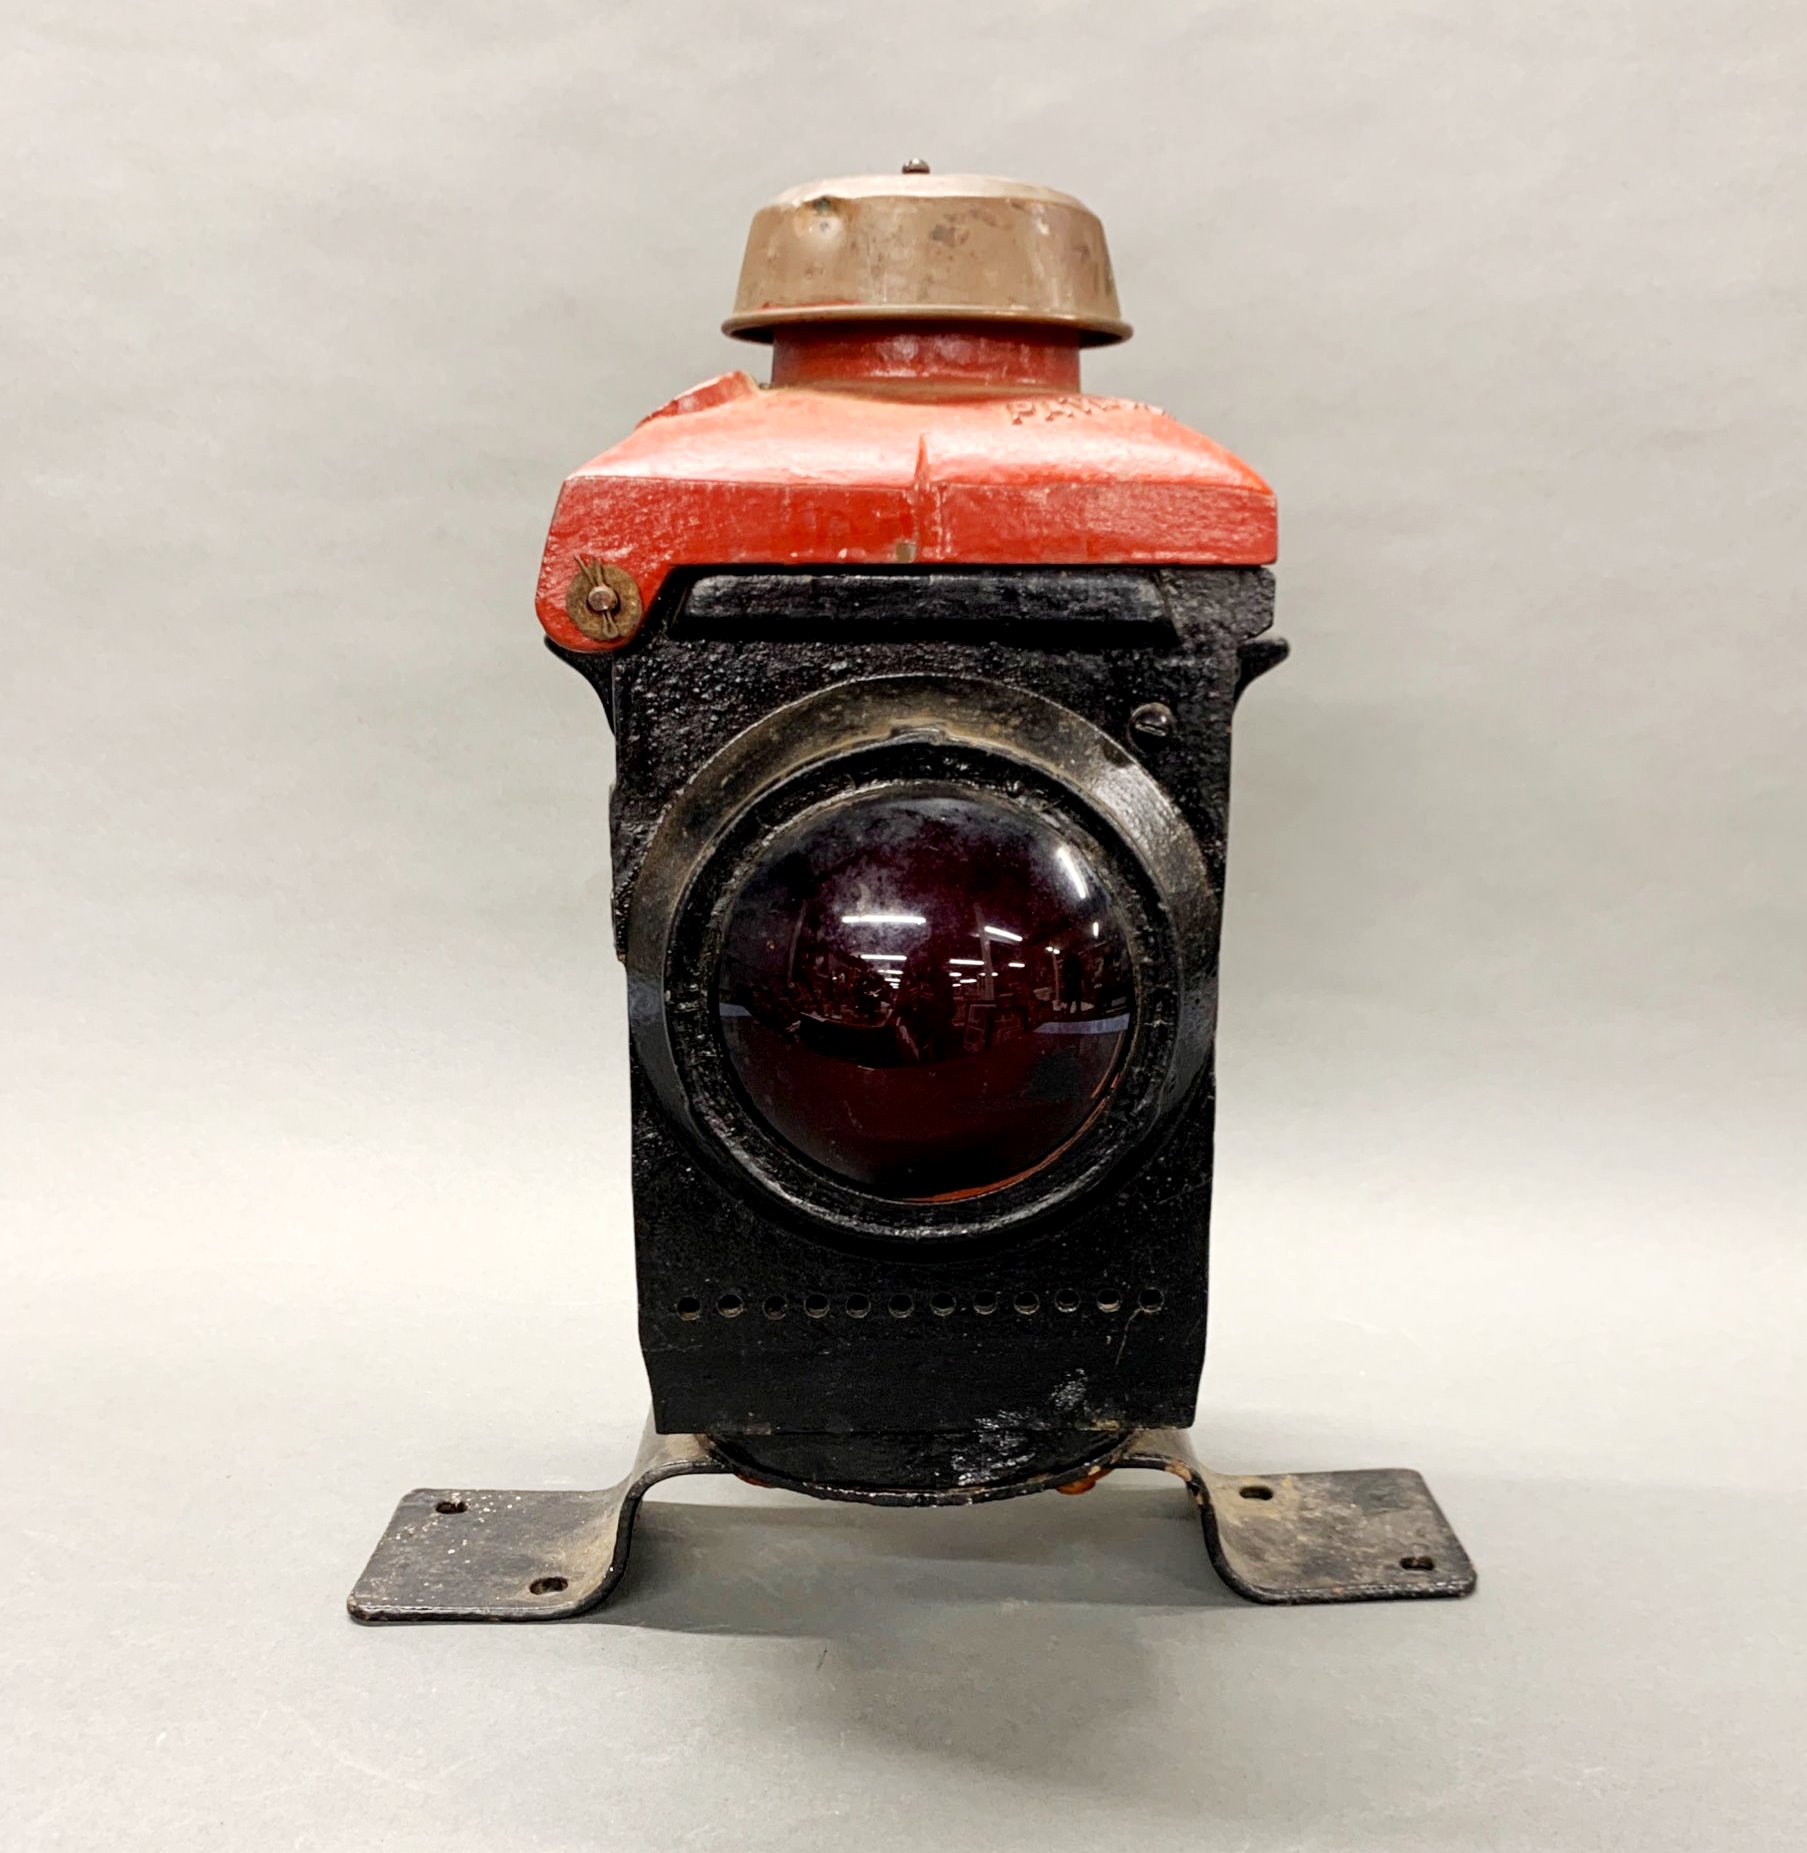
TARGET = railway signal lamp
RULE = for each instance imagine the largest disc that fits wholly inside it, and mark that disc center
(921, 663)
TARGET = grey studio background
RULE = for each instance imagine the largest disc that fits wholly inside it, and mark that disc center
(312, 1164)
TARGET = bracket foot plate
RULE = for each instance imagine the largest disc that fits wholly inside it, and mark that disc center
(1370, 1535)
(452, 1555)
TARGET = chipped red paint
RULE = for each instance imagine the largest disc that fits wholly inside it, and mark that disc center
(918, 470)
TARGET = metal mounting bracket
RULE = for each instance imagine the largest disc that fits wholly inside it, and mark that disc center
(1374, 1534)
(1367, 1534)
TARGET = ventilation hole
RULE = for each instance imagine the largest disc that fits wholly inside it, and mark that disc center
(1026, 1303)
(730, 1306)
(1067, 1300)
(942, 1304)
(1109, 1300)
(985, 1302)
(450, 1506)
(901, 1306)
(547, 1585)
(858, 1306)
(816, 1305)
(775, 1307)
(1256, 1492)
(1151, 1299)
(689, 1308)
(1417, 1563)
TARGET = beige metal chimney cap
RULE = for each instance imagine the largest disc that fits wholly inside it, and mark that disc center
(919, 247)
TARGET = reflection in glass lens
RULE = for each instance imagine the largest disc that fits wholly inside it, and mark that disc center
(926, 994)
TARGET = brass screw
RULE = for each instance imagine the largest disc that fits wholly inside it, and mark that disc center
(603, 603)
(1153, 720)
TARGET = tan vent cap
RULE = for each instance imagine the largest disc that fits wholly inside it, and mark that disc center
(926, 247)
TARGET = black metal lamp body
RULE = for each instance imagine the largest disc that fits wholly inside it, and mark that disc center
(826, 1331)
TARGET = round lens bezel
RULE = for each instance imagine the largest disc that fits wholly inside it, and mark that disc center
(910, 733)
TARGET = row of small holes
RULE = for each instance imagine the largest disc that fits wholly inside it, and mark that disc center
(902, 1305)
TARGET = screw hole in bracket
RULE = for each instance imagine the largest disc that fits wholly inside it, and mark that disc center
(1256, 1492)
(448, 1508)
(1417, 1563)
(547, 1585)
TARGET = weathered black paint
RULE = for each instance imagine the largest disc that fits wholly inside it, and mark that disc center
(1112, 1290)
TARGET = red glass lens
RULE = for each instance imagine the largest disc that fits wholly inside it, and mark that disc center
(927, 994)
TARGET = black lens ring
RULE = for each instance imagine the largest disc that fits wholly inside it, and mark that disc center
(955, 736)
